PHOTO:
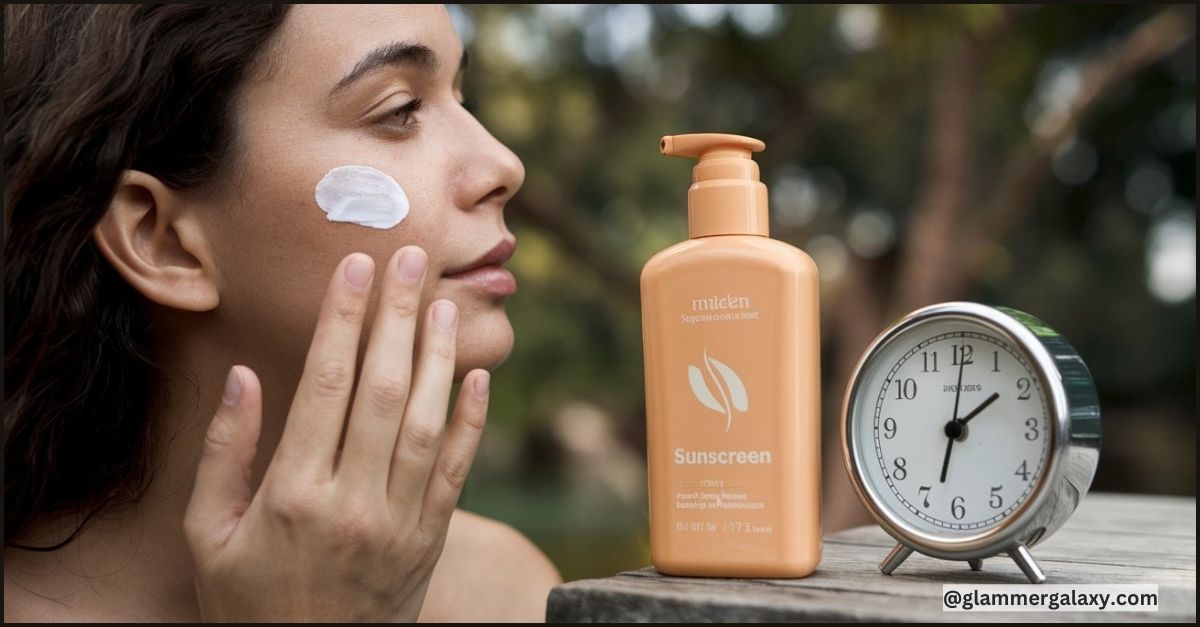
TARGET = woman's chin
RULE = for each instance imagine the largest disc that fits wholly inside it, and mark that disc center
(484, 341)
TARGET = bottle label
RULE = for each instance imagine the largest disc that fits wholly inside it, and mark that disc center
(725, 427)
(719, 308)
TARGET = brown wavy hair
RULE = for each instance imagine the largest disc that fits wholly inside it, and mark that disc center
(90, 91)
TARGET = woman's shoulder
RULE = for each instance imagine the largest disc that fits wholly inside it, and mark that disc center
(22, 604)
(488, 571)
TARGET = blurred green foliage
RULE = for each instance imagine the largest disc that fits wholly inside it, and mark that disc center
(1101, 245)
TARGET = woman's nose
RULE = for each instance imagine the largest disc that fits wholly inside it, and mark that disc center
(489, 173)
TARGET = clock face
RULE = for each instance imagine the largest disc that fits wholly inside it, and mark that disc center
(952, 427)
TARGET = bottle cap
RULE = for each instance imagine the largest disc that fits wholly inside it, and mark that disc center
(726, 196)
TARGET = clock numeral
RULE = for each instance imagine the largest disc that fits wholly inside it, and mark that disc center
(956, 508)
(900, 472)
(906, 389)
(1032, 424)
(963, 355)
(889, 428)
(926, 356)
(996, 501)
(1023, 385)
(926, 490)
(1022, 472)
(995, 361)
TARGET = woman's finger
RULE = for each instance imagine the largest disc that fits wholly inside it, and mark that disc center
(314, 426)
(457, 454)
(425, 416)
(384, 385)
(222, 489)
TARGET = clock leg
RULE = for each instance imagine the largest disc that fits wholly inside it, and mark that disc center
(899, 553)
(1024, 560)
(976, 564)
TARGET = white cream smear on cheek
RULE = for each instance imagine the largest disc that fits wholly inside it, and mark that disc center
(362, 195)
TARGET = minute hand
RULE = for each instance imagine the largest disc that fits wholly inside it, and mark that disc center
(982, 406)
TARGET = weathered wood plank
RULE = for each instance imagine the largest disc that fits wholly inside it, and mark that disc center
(1153, 515)
(623, 599)
(1106, 542)
(845, 569)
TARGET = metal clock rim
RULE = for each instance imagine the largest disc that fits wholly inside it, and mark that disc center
(1011, 531)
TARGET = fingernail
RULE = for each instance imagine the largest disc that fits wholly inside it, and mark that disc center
(359, 270)
(411, 264)
(233, 388)
(481, 383)
(444, 313)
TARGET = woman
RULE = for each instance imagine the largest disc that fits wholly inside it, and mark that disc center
(161, 226)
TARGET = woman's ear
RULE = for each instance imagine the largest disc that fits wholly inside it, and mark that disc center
(160, 249)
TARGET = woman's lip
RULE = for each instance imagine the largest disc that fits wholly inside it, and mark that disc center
(497, 256)
(490, 278)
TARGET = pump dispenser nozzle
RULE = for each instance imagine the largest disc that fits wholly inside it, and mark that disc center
(726, 196)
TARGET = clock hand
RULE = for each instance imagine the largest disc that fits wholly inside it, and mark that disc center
(953, 428)
(946, 461)
(982, 406)
(958, 388)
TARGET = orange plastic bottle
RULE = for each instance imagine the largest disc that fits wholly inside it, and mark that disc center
(730, 332)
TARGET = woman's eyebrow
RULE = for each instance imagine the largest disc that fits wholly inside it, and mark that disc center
(415, 55)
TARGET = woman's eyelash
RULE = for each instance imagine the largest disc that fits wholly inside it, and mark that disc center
(407, 109)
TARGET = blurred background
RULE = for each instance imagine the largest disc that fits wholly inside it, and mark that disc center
(1042, 158)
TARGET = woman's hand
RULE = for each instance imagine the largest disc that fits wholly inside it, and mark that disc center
(346, 533)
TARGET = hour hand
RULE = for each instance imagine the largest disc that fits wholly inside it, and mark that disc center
(982, 406)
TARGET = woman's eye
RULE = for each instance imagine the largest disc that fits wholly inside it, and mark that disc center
(403, 116)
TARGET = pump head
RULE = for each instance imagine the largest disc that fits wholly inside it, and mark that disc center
(726, 196)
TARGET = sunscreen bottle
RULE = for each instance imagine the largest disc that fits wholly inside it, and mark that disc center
(731, 342)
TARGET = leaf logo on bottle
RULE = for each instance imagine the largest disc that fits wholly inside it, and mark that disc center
(728, 383)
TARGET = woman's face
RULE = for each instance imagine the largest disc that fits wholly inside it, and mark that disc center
(337, 89)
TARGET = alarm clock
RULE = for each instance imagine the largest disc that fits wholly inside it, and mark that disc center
(970, 431)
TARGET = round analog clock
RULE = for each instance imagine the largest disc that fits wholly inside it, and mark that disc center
(970, 431)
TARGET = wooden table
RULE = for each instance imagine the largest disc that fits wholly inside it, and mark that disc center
(1111, 539)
